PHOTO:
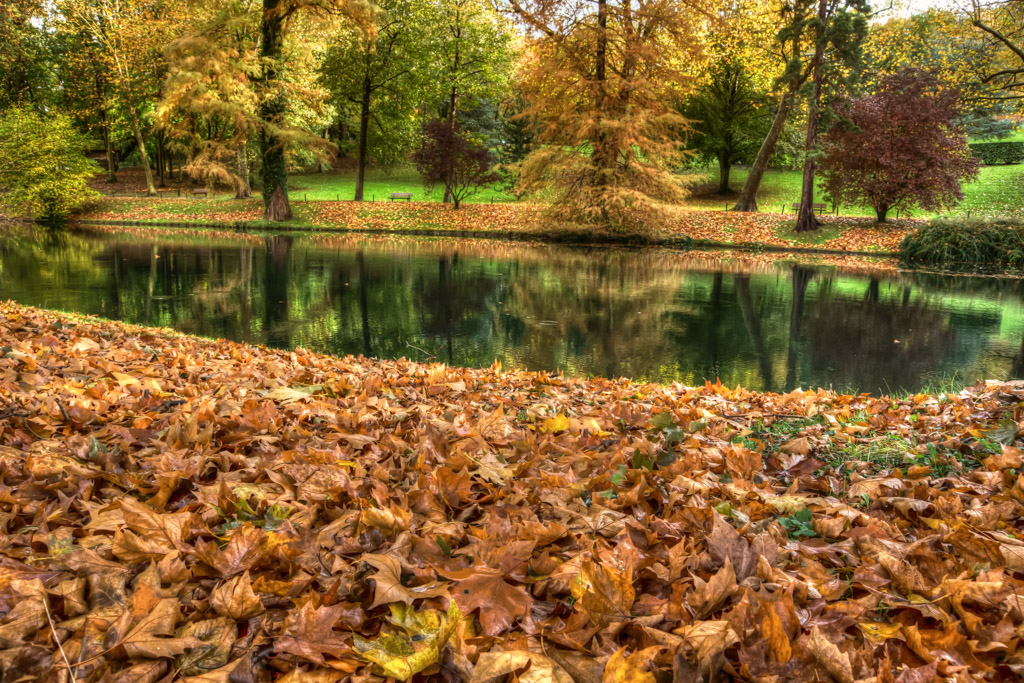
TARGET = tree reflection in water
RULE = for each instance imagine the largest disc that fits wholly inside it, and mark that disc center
(653, 314)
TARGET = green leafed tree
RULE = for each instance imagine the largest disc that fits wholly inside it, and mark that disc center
(43, 167)
(276, 130)
(472, 47)
(379, 78)
(819, 44)
(26, 54)
(837, 29)
(126, 38)
(730, 115)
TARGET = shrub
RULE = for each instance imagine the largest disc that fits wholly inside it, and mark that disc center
(959, 244)
(450, 156)
(995, 153)
(44, 170)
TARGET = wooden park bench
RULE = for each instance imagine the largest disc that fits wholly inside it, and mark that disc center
(407, 196)
(200, 192)
(815, 207)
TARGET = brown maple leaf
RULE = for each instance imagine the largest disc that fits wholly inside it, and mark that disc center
(388, 583)
(484, 589)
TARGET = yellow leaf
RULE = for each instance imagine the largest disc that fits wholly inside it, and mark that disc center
(631, 669)
(123, 379)
(414, 644)
(560, 423)
(876, 633)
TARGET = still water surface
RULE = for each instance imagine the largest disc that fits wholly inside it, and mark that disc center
(649, 314)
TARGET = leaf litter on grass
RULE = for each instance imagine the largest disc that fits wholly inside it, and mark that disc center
(173, 508)
(843, 233)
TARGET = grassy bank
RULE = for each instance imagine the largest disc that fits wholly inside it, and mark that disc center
(508, 220)
(999, 191)
(175, 506)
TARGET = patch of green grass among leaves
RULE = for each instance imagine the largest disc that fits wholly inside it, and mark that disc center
(998, 191)
(816, 238)
(378, 186)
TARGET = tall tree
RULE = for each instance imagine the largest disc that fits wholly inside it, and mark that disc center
(273, 110)
(842, 26)
(809, 31)
(731, 115)
(899, 147)
(26, 54)
(600, 82)
(127, 36)
(212, 76)
(472, 44)
(382, 75)
(1001, 24)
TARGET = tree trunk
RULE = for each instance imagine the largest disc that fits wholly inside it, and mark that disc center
(243, 189)
(150, 189)
(748, 197)
(160, 154)
(601, 155)
(880, 212)
(364, 129)
(272, 109)
(806, 220)
(723, 172)
(111, 173)
(451, 123)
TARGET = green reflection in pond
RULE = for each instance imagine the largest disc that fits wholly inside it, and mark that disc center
(649, 314)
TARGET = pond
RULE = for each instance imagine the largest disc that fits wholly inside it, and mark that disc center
(652, 314)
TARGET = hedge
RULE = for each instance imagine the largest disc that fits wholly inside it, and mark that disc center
(994, 153)
(957, 244)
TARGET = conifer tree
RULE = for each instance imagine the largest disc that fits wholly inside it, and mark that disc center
(600, 83)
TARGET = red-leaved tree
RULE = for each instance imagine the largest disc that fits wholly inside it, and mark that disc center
(899, 147)
(450, 157)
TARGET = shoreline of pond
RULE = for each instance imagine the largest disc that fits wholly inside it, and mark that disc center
(855, 236)
(509, 235)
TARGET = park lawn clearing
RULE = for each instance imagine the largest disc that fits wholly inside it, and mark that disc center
(998, 192)
(379, 185)
(204, 510)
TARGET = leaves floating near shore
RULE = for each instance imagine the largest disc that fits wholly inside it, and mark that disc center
(177, 508)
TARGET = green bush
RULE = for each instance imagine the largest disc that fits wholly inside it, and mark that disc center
(995, 153)
(961, 244)
(44, 173)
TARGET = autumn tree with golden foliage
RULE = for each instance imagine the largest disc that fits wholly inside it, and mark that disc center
(126, 38)
(600, 80)
(211, 87)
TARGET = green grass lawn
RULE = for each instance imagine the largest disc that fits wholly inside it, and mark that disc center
(1015, 136)
(999, 191)
(378, 187)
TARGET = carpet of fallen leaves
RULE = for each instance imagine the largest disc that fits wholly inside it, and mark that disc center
(854, 234)
(173, 210)
(133, 180)
(179, 508)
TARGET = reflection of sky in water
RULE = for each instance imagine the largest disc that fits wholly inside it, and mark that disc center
(653, 314)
